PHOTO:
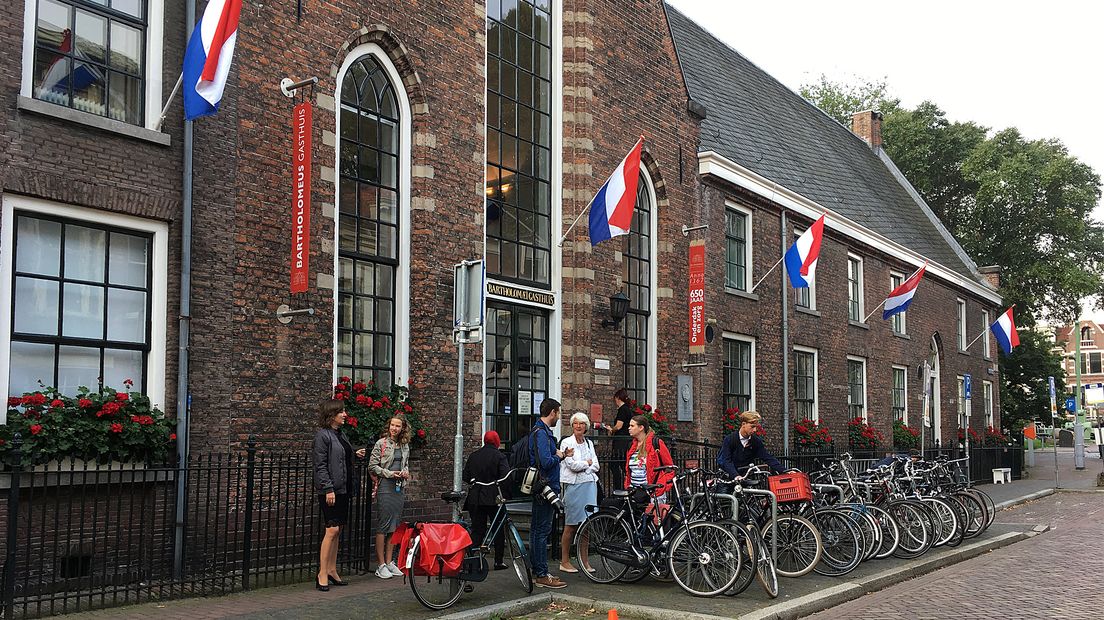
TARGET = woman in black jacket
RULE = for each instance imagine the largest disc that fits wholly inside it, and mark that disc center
(334, 482)
(486, 464)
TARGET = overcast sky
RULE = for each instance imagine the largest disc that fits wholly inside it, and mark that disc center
(1035, 66)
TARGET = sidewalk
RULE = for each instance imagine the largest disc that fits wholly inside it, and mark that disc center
(369, 597)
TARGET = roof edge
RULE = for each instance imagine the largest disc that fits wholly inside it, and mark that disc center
(713, 163)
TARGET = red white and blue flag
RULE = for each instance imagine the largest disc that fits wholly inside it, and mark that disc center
(207, 59)
(900, 297)
(60, 78)
(611, 211)
(1004, 329)
(801, 258)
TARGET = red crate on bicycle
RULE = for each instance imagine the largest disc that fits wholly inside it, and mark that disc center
(791, 487)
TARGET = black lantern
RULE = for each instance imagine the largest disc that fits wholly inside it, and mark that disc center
(619, 307)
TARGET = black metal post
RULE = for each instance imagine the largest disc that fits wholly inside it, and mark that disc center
(8, 593)
(247, 544)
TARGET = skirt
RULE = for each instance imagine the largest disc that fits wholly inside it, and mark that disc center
(576, 498)
(338, 514)
(389, 507)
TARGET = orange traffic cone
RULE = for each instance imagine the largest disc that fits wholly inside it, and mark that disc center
(612, 615)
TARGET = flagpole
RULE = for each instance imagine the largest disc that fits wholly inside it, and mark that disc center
(577, 217)
(168, 102)
(874, 311)
(773, 267)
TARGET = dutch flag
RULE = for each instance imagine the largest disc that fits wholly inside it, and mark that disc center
(900, 297)
(207, 59)
(611, 211)
(801, 258)
(1004, 329)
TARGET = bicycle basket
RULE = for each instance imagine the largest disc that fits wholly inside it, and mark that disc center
(792, 487)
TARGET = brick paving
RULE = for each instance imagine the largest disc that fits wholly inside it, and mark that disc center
(1054, 575)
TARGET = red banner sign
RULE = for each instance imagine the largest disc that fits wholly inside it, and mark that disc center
(300, 202)
(697, 296)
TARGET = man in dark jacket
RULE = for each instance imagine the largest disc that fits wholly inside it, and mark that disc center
(486, 464)
(744, 447)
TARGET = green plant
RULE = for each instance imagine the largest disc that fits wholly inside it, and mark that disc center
(808, 435)
(371, 406)
(905, 437)
(103, 426)
(994, 438)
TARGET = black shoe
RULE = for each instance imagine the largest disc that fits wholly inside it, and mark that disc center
(500, 566)
(337, 582)
(320, 587)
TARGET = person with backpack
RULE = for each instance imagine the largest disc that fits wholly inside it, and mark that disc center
(544, 455)
(486, 464)
(579, 478)
(646, 453)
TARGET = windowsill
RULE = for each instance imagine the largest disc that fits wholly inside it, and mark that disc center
(70, 115)
(808, 311)
(738, 293)
(854, 323)
(963, 352)
(903, 336)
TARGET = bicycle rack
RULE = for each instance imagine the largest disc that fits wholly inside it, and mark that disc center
(774, 518)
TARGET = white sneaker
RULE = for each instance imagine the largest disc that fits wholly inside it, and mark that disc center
(383, 572)
(395, 572)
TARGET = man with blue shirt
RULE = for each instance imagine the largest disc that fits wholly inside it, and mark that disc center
(546, 457)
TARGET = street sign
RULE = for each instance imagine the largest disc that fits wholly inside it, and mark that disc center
(467, 301)
(1050, 383)
(967, 385)
(1071, 404)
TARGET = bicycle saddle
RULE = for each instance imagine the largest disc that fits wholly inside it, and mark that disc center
(451, 496)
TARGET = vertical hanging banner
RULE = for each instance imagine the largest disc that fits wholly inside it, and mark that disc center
(300, 202)
(697, 296)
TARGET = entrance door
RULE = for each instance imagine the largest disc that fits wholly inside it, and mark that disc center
(516, 366)
(936, 397)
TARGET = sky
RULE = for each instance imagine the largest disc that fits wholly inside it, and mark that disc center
(1035, 66)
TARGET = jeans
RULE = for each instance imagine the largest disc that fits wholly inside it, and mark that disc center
(540, 527)
(481, 517)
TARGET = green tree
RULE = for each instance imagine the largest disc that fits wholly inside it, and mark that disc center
(840, 100)
(1024, 392)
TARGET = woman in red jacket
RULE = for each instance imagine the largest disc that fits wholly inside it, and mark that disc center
(646, 454)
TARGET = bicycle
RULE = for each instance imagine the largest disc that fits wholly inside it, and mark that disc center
(441, 591)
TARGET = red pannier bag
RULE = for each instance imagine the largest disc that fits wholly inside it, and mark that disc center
(401, 538)
(441, 549)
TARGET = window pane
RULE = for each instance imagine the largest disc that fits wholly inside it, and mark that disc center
(53, 21)
(83, 312)
(39, 247)
(84, 253)
(52, 81)
(127, 260)
(77, 367)
(91, 41)
(125, 100)
(36, 306)
(126, 315)
(120, 365)
(31, 363)
(130, 7)
(126, 49)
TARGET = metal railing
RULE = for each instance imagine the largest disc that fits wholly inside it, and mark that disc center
(79, 536)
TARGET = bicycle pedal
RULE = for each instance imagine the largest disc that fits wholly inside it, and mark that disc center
(468, 588)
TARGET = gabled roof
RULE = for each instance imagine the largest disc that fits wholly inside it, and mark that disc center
(760, 124)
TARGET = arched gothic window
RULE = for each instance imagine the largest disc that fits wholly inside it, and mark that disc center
(638, 265)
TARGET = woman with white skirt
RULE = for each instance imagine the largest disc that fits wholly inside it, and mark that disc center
(579, 478)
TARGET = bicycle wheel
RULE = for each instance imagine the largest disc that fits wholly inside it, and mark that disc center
(872, 534)
(433, 592)
(519, 558)
(914, 525)
(960, 519)
(945, 515)
(990, 507)
(751, 556)
(891, 534)
(799, 545)
(598, 541)
(704, 558)
(975, 513)
(844, 546)
(765, 568)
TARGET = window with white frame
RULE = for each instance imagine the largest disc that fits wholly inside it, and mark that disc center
(961, 325)
(638, 269)
(855, 308)
(102, 57)
(900, 394)
(805, 384)
(856, 388)
(805, 297)
(985, 335)
(898, 321)
(738, 389)
(987, 404)
(961, 402)
(737, 248)
(84, 299)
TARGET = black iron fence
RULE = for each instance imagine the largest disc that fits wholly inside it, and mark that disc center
(80, 536)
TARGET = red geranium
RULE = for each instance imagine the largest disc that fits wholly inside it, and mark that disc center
(421, 433)
(36, 429)
(33, 400)
(57, 403)
(129, 383)
(359, 387)
(172, 436)
(122, 397)
(116, 428)
(14, 401)
(361, 399)
(407, 408)
(84, 403)
(351, 421)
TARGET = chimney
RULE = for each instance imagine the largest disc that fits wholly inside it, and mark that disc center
(868, 126)
(991, 274)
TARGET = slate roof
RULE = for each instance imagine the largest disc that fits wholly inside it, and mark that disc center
(754, 120)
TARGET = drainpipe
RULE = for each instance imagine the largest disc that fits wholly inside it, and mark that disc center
(785, 349)
(183, 400)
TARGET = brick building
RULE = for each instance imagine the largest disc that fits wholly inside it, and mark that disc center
(1090, 364)
(467, 129)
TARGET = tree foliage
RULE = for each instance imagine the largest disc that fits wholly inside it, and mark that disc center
(1025, 205)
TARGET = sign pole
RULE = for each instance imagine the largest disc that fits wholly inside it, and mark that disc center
(967, 392)
(461, 285)
(1053, 427)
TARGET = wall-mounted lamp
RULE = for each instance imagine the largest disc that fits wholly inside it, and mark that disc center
(619, 307)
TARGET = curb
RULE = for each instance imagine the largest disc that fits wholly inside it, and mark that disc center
(1030, 497)
(507, 609)
(636, 611)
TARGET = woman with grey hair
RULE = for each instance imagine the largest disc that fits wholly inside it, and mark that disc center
(579, 478)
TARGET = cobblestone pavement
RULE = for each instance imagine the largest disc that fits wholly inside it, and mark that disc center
(1054, 575)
